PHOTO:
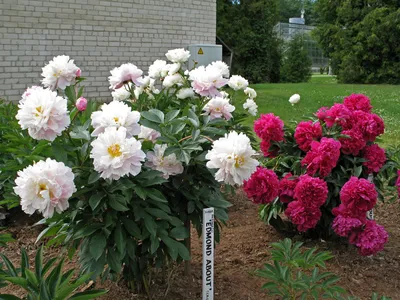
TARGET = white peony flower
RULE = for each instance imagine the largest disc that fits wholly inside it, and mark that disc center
(232, 156)
(178, 55)
(59, 72)
(46, 187)
(168, 165)
(185, 93)
(251, 93)
(123, 74)
(223, 67)
(171, 80)
(122, 93)
(147, 86)
(237, 82)
(219, 108)
(148, 134)
(115, 155)
(294, 99)
(116, 114)
(207, 81)
(29, 91)
(250, 106)
(44, 114)
(173, 68)
(224, 94)
(157, 68)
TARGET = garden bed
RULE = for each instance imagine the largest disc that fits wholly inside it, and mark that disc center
(245, 247)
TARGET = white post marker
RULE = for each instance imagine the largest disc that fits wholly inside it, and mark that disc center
(208, 254)
(370, 213)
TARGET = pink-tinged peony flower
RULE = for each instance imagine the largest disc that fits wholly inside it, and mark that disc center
(322, 157)
(269, 127)
(124, 74)
(29, 91)
(354, 143)
(311, 191)
(375, 157)
(262, 187)
(59, 72)
(304, 217)
(321, 113)
(397, 184)
(286, 188)
(358, 196)
(81, 104)
(306, 132)
(372, 239)
(370, 125)
(46, 187)
(168, 165)
(207, 80)
(358, 102)
(343, 225)
(340, 115)
(219, 108)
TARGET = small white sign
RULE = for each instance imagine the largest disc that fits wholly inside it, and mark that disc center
(370, 213)
(208, 254)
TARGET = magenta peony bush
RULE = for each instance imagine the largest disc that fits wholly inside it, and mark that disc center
(331, 173)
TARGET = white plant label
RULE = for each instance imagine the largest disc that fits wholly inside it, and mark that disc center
(370, 213)
(208, 254)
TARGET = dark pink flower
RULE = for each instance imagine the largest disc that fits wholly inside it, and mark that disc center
(343, 225)
(358, 196)
(358, 102)
(264, 146)
(311, 191)
(375, 157)
(302, 216)
(321, 113)
(306, 132)
(340, 115)
(372, 239)
(322, 157)
(354, 143)
(269, 128)
(370, 125)
(262, 187)
(397, 184)
(286, 188)
(81, 104)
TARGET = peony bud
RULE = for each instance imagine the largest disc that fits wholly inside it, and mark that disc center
(78, 73)
(81, 104)
(294, 99)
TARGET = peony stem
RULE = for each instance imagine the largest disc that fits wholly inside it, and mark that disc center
(203, 136)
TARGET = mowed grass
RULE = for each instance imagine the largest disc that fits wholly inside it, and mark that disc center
(323, 90)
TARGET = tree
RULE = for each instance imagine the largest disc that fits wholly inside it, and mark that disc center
(296, 64)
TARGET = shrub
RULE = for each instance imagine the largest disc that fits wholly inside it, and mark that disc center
(321, 70)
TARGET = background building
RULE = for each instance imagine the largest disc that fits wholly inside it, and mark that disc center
(98, 35)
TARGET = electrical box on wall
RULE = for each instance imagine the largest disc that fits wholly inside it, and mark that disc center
(204, 54)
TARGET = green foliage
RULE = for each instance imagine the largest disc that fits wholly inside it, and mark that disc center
(47, 281)
(296, 64)
(361, 39)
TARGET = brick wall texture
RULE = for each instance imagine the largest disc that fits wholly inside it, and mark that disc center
(98, 35)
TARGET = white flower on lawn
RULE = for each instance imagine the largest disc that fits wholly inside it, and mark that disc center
(250, 106)
(219, 107)
(168, 165)
(46, 187)
(294, 99)
(124, 74)
(207, 81)
(156, 69)
(178, 55)
(60, 72)
(115, 114)
(232, 156)
(171, 80)
(122, 93)
(147, 86)
(29, 91)
(115, 155)
(222, 67)
(251, 93)
(185, 93)
(148, 134)
(44, 114)
(237, 82)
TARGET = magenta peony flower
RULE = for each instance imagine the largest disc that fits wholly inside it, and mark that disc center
(340, 115)
(343, 225)
(372, 239)
(311, 191)
(322, 157)
(81, 104)
(375, 157)
(269, 128)
(262, 187)
(304, 217)
(370, 125)
(358, 196)
(321, 113)
(264, 146)
(358, 102)
(354, 143)
(286, 188)
(306, 132)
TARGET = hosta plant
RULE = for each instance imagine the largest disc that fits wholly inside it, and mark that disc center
(122, 182)
(326, 175)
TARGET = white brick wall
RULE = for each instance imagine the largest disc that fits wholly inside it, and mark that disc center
(98, 35)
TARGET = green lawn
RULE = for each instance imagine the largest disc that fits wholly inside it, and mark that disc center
(322, 90)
